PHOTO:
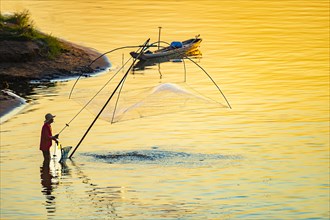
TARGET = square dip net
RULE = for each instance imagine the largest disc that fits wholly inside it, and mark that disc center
(144, 95)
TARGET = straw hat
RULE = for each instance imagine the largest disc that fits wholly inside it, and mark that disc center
(49, 117)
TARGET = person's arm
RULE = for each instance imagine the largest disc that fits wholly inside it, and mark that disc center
(50, 135)
(55, 137)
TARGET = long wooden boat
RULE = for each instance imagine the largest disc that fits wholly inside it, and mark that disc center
(176, 48)
(143, 64)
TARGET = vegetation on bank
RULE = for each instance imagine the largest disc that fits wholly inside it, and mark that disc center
(20, 27)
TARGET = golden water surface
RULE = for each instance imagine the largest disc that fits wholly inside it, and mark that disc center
(266, 158)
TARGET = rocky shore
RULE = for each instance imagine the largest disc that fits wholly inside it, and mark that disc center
(21, 63)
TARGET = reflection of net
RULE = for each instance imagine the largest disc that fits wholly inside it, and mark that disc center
(161, 99)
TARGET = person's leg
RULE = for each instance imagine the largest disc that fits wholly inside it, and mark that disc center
(46, 154)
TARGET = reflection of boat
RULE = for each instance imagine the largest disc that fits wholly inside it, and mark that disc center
(175, 49)
(142, 64)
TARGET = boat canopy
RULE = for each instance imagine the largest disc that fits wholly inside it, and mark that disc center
(176, 44)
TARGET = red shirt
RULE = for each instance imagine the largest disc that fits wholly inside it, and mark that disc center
(46, 137)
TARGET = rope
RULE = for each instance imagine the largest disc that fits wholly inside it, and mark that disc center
(114, 111)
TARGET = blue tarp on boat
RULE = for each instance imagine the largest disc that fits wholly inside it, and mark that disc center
(176, 44)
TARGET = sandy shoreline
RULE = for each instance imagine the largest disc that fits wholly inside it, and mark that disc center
(10, 104)
(16, 76)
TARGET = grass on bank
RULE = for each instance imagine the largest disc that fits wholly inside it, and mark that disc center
(20, 27)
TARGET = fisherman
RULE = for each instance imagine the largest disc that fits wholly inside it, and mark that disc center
(47, 136)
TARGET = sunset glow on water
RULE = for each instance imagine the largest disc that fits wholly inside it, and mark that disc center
(266, 158)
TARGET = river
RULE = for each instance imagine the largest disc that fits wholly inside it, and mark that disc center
(266, 158)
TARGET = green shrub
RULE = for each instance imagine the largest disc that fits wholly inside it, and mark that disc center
(20, 27)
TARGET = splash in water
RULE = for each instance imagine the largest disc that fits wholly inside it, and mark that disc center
(165, 158)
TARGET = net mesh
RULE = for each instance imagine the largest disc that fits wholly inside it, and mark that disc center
(145, 95)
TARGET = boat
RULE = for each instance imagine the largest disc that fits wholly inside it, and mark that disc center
(176, 48)
(143, 64)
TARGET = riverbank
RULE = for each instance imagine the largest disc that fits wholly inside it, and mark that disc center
(21, 63)
(10, 104)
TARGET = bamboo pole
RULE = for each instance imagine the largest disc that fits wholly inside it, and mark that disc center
(159, 36)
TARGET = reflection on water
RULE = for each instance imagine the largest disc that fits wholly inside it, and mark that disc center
(51, 173)
(57, 177)
(101, 197)
(48, 185)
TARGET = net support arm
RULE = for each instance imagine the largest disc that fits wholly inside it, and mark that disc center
(211, 80)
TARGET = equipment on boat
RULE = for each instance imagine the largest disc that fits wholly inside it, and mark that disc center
(176, 48)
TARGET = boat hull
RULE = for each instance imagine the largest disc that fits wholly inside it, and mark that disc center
(188, 46)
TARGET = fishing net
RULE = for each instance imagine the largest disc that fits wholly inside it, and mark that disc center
(144, 95)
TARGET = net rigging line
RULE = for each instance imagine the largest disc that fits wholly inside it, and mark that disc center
(114, 111)
(210, 79)
(67, 124)
(185, 56)
(110, 51)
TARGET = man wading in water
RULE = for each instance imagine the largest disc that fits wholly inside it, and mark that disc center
(47, 137)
